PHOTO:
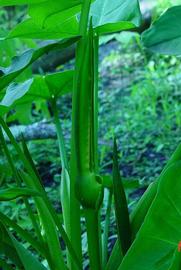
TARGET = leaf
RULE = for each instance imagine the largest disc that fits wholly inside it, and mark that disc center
(60, 83)
(40, 87)
(28, 260)
(160, 233)
(20, 63)
(29, 29)
(9, 223)
(7, 249)
(138, 215)
(164, 36)
(3, 110)
(13, 193)
(15, 92)
(19, 2)
(121, 208)
(4, 265)
(53, 12)
(176, 263)
(115, 16)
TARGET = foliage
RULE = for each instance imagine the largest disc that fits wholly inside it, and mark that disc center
(82, 183)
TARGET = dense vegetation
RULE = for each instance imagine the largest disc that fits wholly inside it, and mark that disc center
(133, 104)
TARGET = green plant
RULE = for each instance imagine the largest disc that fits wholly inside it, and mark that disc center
(82, 186)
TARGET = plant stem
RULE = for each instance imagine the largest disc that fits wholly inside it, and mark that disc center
(61, 142)
(92, 225)
(75, 226)
(65, 179)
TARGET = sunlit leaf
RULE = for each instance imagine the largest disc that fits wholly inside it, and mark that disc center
(111, 16)
(29, 29)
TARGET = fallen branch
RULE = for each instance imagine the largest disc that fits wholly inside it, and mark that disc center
(38, 131)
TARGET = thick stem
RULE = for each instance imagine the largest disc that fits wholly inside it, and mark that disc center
(92, 225)
(75, 226)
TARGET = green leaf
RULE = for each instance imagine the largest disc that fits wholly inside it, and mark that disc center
(3, 110)
(60, 83)
(51, 13)
(15, 92)
(9, 223)
(176, 263)
(121, 208)
(13, 193)
(160, 233)
(29, 29)
(7, 249)
(41, 87)
(164, 36)
(19, 2)
(111, 16)
(20, 63)
(28, 260)
(4, 265)
(138, 215)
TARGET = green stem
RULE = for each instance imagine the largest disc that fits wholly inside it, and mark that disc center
(61, 142)
(75, 226)
(92, 221)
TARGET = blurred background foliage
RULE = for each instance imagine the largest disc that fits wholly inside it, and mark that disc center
(140, 102)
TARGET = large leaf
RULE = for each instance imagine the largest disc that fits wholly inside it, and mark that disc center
(110, 16)
(139, 213)
(164, 36)
(29, 29)
(160, 233)
(41, 87)
(20, 63)
(53, 12)
(49, 20)
(19, 2)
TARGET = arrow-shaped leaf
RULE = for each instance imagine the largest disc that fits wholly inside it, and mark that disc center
(20, 63)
